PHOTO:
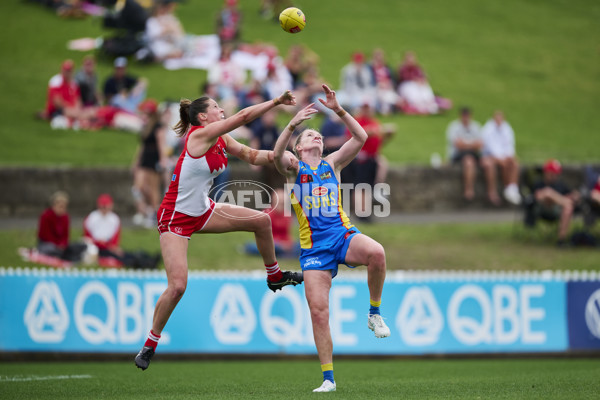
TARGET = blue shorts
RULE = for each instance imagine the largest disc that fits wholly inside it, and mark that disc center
(330, 255)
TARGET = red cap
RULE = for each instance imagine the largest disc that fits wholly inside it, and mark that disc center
(358, 57)
(148, 106)
(553, 166)
(104, 200)
(67, 65)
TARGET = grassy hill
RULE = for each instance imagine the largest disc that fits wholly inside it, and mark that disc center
(537, 60)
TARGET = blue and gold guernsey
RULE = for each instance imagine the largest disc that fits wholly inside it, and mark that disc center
(325, 229)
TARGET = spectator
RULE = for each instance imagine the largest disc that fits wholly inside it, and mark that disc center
(228, 77)
(120, 81)
(357, 85)
(591, 205)
(416, 97)
(499, 151)
(229, 21)
(409, 69)
(296, 64)
(552, 200)
(281, 223)
(53, 231)
(384, 82)
(102, 227)
(64, 100)
(278, 79)
(333, 131)
(87, 80)
(264, 135)
(464, 147)
(164, 33)
(149, 163)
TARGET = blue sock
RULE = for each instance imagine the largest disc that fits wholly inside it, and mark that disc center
(327, 372)
(374, 307)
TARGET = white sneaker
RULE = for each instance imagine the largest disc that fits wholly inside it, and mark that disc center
(327, 386)
(512, 195)
(376, 324)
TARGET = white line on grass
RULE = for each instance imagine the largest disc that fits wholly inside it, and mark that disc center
(21, 378)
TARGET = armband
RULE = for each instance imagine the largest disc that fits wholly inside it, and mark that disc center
(341, 113)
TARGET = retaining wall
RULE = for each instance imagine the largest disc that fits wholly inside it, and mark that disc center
(26, 190)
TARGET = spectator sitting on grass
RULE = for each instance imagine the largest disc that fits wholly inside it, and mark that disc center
(102, 227)
(63, 106)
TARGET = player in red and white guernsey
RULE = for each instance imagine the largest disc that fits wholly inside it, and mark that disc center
(187, 209)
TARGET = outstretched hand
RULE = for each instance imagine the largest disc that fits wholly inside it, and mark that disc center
(331, 101)
(287, 98)
(303, 115)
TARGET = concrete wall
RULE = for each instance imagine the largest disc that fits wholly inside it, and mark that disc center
(25, 190)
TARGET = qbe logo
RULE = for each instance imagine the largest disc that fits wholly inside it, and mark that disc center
(592, 313)
(46, 315)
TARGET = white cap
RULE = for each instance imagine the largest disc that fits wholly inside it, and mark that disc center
(120, 62)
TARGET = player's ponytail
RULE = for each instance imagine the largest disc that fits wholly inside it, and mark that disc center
(184, 117)
(188, 114)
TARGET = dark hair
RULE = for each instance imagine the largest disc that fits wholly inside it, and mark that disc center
(465, 111)
(188, 114)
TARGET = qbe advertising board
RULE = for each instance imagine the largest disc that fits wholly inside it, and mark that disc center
(220, 314)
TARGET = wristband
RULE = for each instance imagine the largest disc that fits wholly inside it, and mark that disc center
(341, 113)
(292, 127)
(276, 102)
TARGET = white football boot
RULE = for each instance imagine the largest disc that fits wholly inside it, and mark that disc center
(327, 386)
(376, 324)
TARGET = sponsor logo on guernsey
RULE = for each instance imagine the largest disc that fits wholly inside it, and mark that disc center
(173, 177)
(325, 175)
(319, 191)
(306, 178)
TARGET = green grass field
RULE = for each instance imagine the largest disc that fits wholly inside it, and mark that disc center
(537, 60)
(356, 379)
(491, 246)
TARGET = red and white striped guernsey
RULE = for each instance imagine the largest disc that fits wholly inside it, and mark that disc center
(193, 178)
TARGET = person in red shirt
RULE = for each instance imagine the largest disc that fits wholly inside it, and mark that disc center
(53, 231)
(64, 98)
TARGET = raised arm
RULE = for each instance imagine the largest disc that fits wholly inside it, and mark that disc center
(350, 149)
(246, 115)
(285, 162)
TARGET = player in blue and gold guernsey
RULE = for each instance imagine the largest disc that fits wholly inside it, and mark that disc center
(327, 237)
